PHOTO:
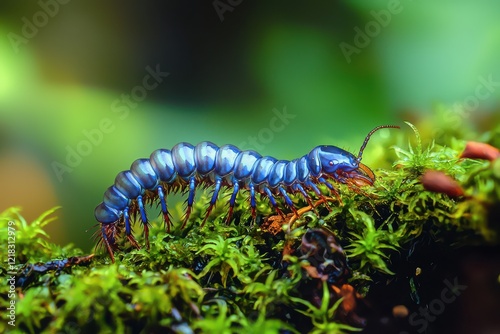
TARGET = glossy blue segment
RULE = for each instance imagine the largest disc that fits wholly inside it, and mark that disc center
(113, 198)
(243, 166)
(277, 173)
(313, 161)
(224, 161)
(204, 157)
(183, 157)
(262, 169)
(163, 165)
(302, 169)
(290, 172)
(106, 215)
(126, 183)
(144, 173)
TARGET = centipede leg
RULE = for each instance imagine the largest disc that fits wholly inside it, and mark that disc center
(232, 200)
(106, 243)
(215, 194)
(128, 229)
(144, 219)
(253, 203)
(164, 210)
(126, 218)
(305, 195)
(318, 193)
(190, 200)
(332, 189)
(273, 201)
(288, 201)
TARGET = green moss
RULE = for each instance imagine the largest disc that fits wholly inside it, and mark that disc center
(231, 278)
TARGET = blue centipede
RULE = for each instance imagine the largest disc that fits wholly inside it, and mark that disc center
(186, 167)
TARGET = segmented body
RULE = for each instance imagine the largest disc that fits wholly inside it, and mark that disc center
(185, 167)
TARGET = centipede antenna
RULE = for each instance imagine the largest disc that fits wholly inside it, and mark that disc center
(370, 134)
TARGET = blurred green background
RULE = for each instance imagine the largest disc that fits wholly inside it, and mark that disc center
(338, 69)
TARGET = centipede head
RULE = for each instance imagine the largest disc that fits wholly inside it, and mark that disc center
(343, 166)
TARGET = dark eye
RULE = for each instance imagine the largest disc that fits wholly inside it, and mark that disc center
(331, 163)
